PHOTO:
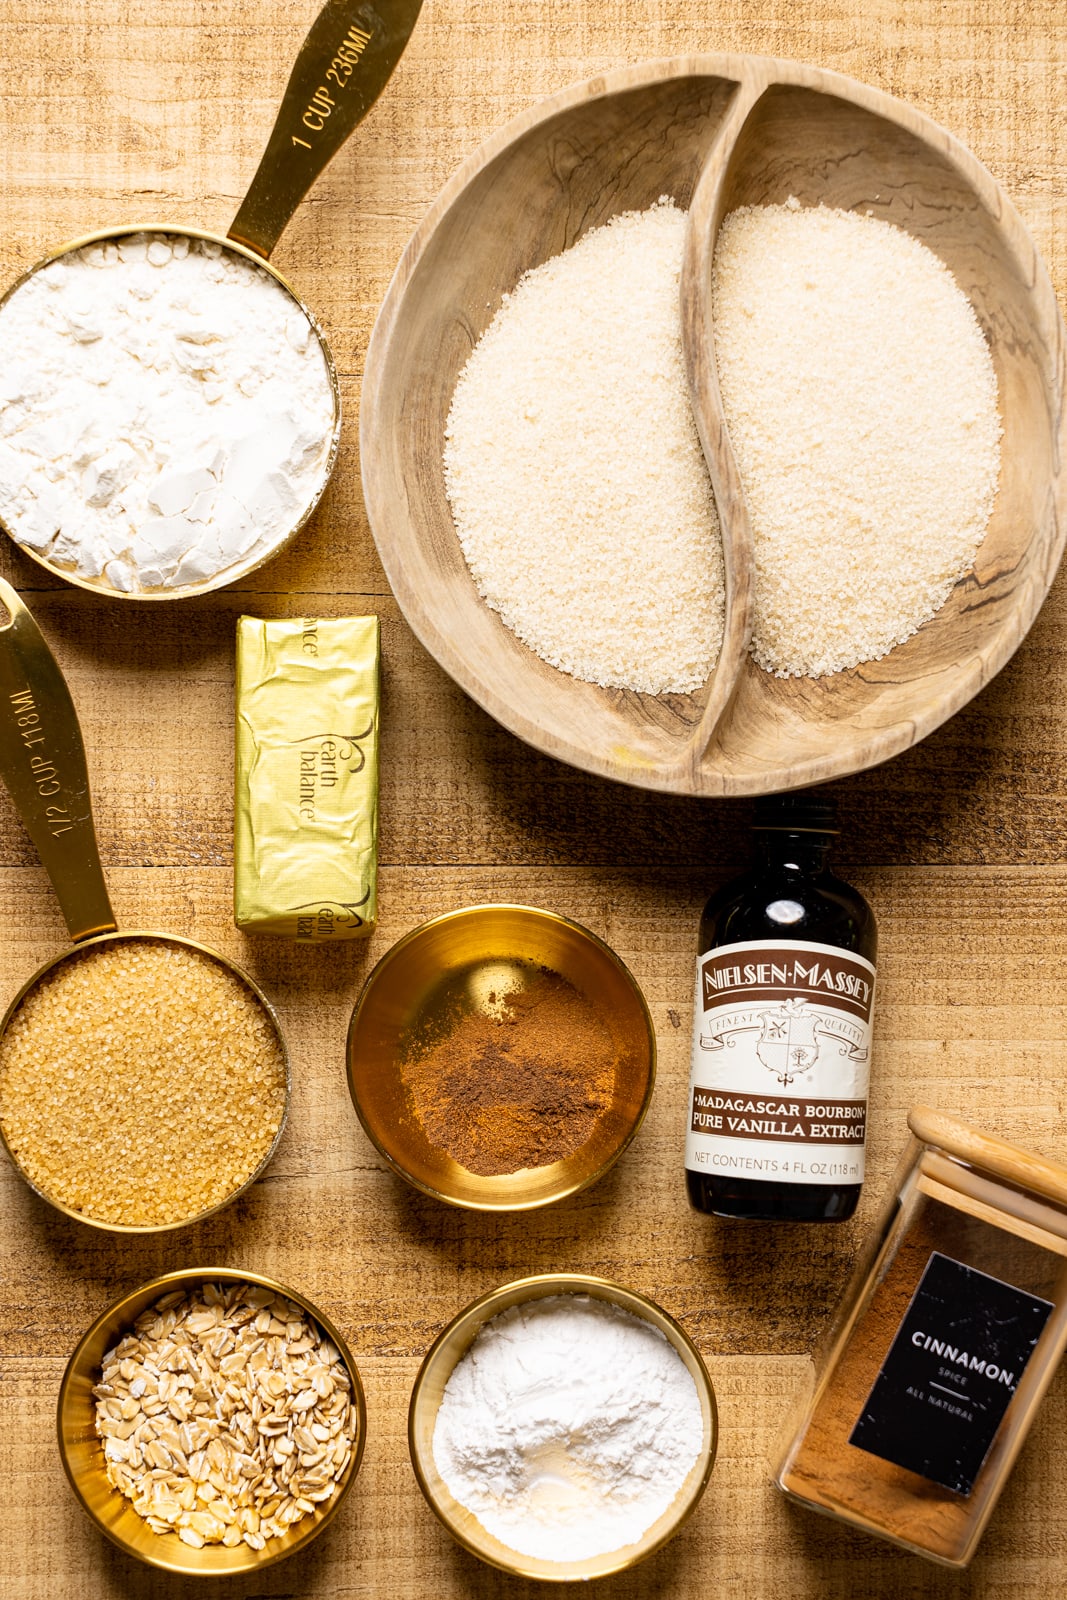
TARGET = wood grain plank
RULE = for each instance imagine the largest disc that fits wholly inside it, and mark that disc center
(114, 110)
(155, 697)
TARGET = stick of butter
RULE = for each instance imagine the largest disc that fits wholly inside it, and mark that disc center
(305, 845)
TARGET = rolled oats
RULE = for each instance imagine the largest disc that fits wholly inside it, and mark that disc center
(225, 1415)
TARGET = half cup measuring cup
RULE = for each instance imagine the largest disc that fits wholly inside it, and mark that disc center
(341, 69)
(42, 763)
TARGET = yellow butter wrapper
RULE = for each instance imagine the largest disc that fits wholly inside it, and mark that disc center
(305, 847)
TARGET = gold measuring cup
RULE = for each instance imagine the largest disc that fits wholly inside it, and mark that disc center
(341, 69)
(42, 763)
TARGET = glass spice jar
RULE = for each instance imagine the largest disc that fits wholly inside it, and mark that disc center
(943, 1346)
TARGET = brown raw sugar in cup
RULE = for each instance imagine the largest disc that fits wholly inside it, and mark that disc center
(142, 1082)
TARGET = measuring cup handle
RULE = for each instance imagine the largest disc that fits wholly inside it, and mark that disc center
(42, 762)
(343, 66)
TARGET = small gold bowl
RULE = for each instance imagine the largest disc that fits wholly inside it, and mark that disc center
(82, 1454)
(456, 963)
(440, 1362)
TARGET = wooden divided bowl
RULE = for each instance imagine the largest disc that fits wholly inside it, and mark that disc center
(713, 132)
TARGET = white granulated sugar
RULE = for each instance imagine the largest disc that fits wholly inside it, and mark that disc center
(568, 1428)
(165, 412)
(572, 462)
(861, 402)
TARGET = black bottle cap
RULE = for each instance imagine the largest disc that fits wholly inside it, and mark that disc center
(804, 812)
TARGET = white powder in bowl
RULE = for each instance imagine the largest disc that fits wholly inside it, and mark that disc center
(568, 1427)
(166, 412)
(572, 462)
(861, 402)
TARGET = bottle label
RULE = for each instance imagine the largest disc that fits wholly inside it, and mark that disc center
(780, 1064)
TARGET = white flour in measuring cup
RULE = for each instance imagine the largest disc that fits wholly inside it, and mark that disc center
(166, 412)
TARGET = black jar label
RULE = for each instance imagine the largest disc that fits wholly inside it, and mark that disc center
(950, 1374)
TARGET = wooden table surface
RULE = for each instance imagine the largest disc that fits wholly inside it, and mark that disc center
(125, 110)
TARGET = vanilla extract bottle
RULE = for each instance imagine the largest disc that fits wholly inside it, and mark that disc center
(777, 1106)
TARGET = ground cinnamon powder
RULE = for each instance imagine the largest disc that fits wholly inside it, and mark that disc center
(521, 1086)
(829, 1471)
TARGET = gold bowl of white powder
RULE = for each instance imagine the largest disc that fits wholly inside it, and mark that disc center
(695, 561)
(580, 1486)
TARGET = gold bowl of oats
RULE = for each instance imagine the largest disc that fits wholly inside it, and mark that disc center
(211, 1422)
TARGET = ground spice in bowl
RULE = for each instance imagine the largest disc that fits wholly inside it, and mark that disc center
(521, 1084)
(501, 1057)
